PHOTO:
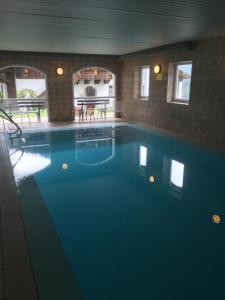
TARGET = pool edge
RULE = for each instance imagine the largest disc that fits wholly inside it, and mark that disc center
(193, 140)
(17, 275)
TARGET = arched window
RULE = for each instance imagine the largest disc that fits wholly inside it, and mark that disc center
(90, 91)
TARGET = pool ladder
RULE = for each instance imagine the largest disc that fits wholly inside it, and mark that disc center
(15, 134)
(15, 161)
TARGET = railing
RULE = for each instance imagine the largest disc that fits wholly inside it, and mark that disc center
(18, 131)
(96, 99)
(24, 106)
(112, 102)
(25, 99)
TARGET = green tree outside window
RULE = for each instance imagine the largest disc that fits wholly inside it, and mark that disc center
(26, 94)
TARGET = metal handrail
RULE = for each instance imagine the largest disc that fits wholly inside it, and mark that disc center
(25, 99)
(18, 132)
(19, 158)
(94, 97)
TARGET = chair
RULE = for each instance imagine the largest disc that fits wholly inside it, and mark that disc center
(102, 110)
(90, 111)
(78, 110)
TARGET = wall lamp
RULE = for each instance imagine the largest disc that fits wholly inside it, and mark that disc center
(157, 69)
(59, 71)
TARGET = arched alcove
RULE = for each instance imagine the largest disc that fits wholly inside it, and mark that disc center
(95, 87)
(23, 92)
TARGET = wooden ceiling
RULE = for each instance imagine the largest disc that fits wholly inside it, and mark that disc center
(20, 73)
(106, 27)
(89, 74)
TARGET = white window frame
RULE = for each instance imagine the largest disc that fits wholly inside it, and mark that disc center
(140, 81)
(175, 99)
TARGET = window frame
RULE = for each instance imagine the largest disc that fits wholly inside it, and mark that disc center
(139, 97)
(180, 100)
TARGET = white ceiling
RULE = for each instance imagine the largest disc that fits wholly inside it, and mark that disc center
(106, 27)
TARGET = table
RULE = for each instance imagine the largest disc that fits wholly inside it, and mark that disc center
(32, 104)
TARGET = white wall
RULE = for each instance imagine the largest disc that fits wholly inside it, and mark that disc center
(102, 90)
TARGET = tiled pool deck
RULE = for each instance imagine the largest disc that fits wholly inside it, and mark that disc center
(15, 269)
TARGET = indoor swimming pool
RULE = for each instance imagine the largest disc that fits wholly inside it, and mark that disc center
(121, 212)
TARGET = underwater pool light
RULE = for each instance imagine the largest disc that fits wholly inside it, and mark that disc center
(65, 166)
(216, 219)
(152, 179)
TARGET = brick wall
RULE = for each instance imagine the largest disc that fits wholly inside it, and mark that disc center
(205, 116)
(60, 88)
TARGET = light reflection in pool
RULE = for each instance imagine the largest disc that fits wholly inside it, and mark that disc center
(28, 164)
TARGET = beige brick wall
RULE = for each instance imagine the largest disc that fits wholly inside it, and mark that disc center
(205, 116)
(60, 89)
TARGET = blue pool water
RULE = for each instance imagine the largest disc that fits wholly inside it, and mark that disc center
(120, 213)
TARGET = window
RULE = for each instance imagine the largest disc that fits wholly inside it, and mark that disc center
(90, 91)
(179, 82)
(177, 173)
(97, 81)
(144, 76)
(110, 90)
(183, 82)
